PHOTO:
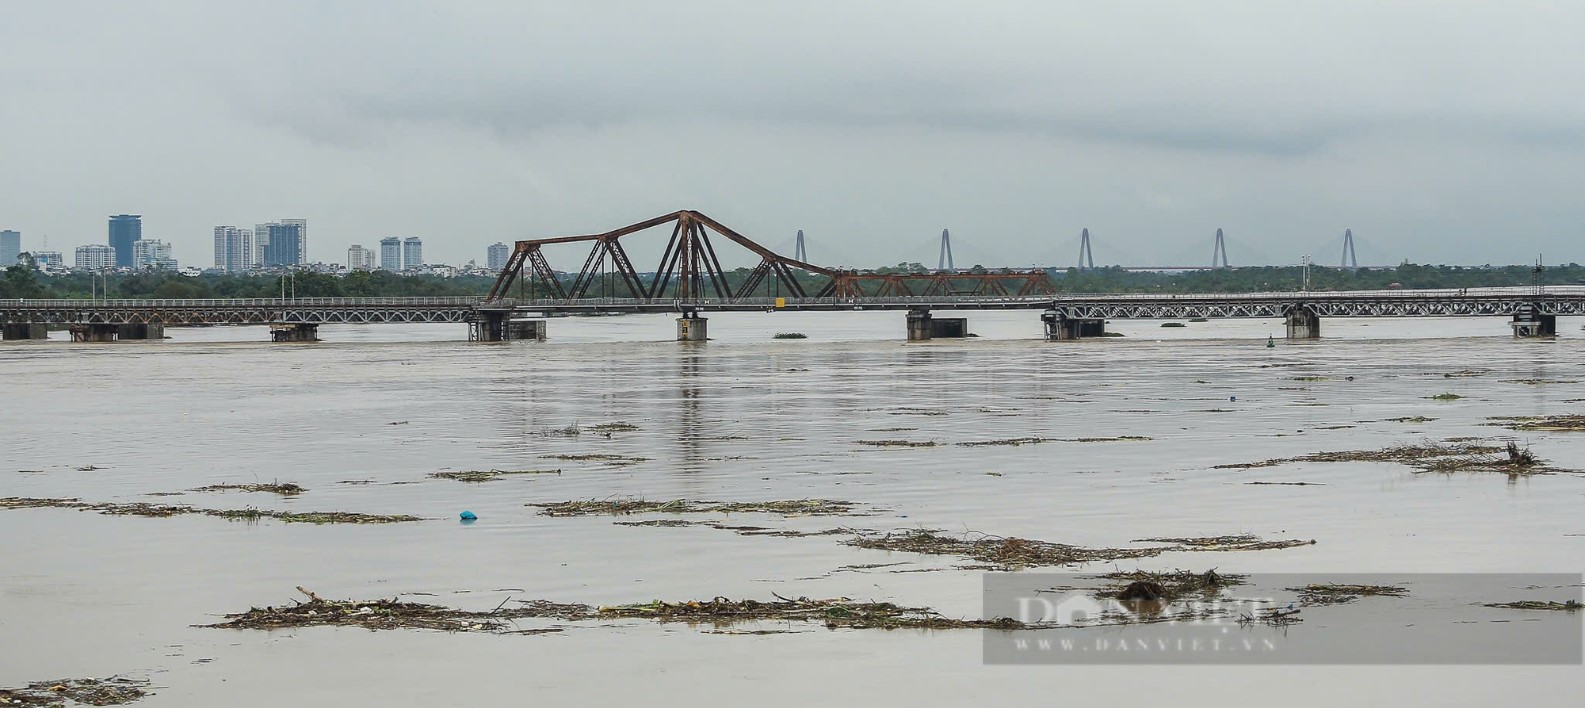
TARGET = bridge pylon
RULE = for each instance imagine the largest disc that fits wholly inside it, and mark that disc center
(1350, 261)
(799, 254)
(945, 262)
(1219, 254)
(1086, 258)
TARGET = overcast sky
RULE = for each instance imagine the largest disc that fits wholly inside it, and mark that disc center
(1439, 131)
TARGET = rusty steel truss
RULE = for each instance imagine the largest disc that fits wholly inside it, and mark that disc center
(690, 271)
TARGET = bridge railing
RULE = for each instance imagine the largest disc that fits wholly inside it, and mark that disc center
(320, 302)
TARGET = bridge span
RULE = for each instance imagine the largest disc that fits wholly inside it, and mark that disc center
(1531, 311)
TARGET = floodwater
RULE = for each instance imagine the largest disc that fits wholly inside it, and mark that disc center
(364, 417)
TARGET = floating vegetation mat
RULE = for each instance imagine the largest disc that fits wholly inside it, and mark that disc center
(793, 507)
(1568, 606)
(617, 427)
(1539, 382)
(1241, 542)
(159, 510)
(1465, 373)
(1411, 419)
(113, 691)
(789, 335)
(485, 475)
(1445, 397)
(1167, 586)
(1561, 423)
(1461, 456)
(282, 488)
(391, 614)
(1329, 594)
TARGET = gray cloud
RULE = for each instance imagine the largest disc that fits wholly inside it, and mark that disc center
(1426, 127)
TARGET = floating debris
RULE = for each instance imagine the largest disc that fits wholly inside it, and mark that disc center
(1411, 419)
(570, 431)
(1115, 438)
(282, 488)
(1562, 423)
(833, 613)
(617, 427)
(1445, 397)
(1290, 484)
(1428, 457)
(789, 335)
(793, 507)
(1568, 606)
(485, 475)
(113, 691)
(1310, 378)
(899, 443)
(162, 511)
(1168, 586)
(916, 411)
(1333, 594)
(1240, 542)
(1007, 441)
(391, 614)
(1465, 373)
(1173, 324)
(1272, 616)
(1540, 382)
(89, 468)
(598, 457)
(739, 530)
(1000, 552)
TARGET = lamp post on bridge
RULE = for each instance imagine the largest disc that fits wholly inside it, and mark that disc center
(1306, 286)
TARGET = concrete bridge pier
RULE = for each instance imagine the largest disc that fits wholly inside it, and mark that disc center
(1303, 323)
(489, 326)
(919, 325)
(24, 331)
(151, 330)
(517, 330)
(923, 327)
(1059, 327)
(1527, 322)
(294, 332)
(97, 332)
(692, 328)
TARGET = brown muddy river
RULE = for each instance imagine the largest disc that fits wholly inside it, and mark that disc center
(1130, 431)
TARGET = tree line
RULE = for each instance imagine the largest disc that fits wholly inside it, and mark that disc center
(23, 281)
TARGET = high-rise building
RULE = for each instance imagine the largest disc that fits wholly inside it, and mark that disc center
(95, 256)
(10, 247)
(302, 237)
(360, 258)
(48, 260)
(412, 252)
(125, 230)
(391, 253)
(498, 254)
(285, 245)
(152, 253)
(234, 250)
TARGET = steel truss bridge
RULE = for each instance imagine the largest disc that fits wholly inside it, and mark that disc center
(690, 279)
